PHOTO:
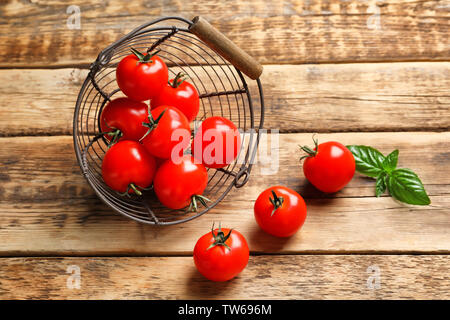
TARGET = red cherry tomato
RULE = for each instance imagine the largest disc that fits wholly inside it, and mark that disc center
(220, 255)
(127, 167)
(329, 167)
(181, 94)
(280, 211)
(159, 162)
(178, 185)
(217, 142)
(141, 76)
(122, 118)
(168, 131)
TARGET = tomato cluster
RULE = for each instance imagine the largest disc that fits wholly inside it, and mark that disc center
(148, 146)
(148, 141)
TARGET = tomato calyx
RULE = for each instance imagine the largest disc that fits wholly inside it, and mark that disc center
(115, 135)
(179, 79)
(220, 238)
(193, 207)
(144, 58)
(152, 123)
(310, 152)
(276, 201)
(135, 188)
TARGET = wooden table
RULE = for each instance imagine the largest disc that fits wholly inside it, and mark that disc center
(359, 72)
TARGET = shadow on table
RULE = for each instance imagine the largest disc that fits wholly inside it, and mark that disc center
(200, 287)
(308, 191)
(266, 242)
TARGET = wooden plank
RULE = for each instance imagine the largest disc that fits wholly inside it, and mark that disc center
(307, 98)
(48, 208)
(289, 31)
(266, 277)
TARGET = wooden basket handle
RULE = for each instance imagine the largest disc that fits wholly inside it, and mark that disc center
(226, 48)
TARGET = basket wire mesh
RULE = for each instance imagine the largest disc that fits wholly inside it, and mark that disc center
(223, 92)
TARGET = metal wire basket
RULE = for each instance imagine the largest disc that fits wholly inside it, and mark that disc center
(198, 50)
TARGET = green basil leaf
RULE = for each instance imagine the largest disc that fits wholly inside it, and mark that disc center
(404, 185)
(380, 185)
(369, 161)
(390, 162)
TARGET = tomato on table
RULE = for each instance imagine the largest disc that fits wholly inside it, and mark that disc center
(168, 128)
(122, 119)
(329, 166)
(216, 143)
(141, 76)
(220, 255)
(280, 211)
(178, 185)
(181, 94)
(128, 168)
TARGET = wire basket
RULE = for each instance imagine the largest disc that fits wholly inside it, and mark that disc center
(200, 51)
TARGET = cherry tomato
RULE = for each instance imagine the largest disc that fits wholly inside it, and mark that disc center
(220, 255)
(181, 94)
(217, 142)
(329, 167)
(164, 127)
(122, 118)
(178, 185)
(141, 76)
(159, 162)
(280, 211)
(128, 167)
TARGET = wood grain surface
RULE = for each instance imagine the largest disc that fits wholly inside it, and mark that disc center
(359, 72)
(301, 98)
(266, 277)
(35, 33)
(49, 209)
